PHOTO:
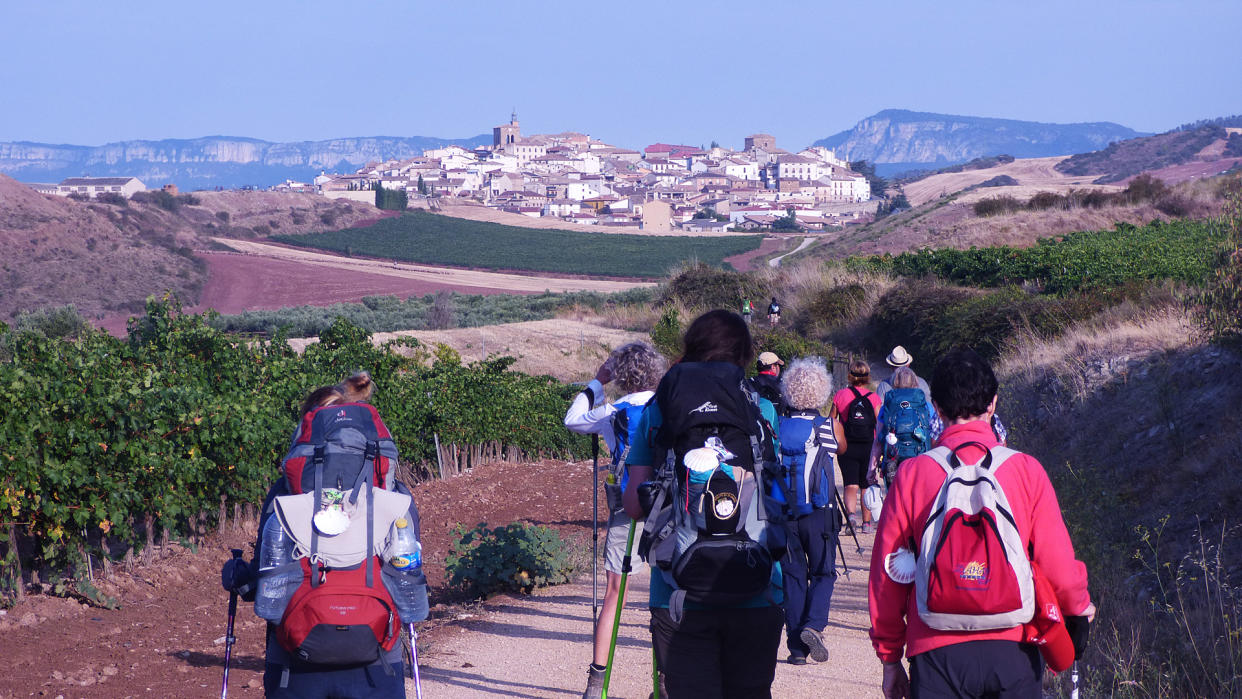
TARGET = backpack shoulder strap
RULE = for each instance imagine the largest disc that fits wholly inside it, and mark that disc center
(941, 456)
(1000, 455)
(857, 395)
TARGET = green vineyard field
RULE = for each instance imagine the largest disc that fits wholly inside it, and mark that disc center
(418, 236)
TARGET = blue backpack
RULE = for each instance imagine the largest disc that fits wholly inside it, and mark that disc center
(806, 463)
(907, 427)
(625, 427)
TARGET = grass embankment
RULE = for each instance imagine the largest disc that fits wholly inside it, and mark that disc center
(429, 238)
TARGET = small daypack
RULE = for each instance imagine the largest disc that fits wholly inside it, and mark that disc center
(713, 532)
(342, 613)
(806, 480)
(907, 428)
(625, 428)
(973, 573)
(859, 419)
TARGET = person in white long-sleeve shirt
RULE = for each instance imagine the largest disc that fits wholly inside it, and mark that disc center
(636, 368)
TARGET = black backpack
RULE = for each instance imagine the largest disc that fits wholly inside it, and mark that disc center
(713, 538)
(859, 419)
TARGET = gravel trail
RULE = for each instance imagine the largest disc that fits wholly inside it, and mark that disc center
(539, 645)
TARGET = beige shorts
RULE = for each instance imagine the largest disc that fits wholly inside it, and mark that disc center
(614, 542)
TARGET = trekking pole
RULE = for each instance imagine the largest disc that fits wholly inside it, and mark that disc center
(841, 503)
(616, 619)
(418, 679)
(229, 639)
(594, 528)
(1074, 681)
(655, 674)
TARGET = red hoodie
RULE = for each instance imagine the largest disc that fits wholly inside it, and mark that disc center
(895, 623)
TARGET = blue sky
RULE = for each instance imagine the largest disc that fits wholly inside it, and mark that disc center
(630, 73)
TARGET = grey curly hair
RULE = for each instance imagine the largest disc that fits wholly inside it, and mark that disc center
(637, 366)
(806, 383)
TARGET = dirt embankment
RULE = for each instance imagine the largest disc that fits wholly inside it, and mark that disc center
(108, 258)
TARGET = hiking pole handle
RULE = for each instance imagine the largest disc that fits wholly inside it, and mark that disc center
(229, 639)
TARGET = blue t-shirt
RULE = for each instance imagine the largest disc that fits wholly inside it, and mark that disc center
(642, 453)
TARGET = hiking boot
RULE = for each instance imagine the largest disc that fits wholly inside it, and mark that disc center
(797, 659)
(595, 684)
(813, 639)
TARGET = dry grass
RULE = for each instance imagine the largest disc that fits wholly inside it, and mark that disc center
(1086, 355)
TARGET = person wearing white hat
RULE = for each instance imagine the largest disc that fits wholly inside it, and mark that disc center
(899, 357)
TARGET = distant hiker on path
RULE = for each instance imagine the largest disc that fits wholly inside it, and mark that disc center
(809, 441)
(856, 409)
(637, 368)
(703, 441)
(747, 309)
(958, 611)
(774, 312)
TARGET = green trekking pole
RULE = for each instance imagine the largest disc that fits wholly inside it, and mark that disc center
(655, 675)
(616, 619)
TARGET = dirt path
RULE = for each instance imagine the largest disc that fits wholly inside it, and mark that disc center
(442, 275)
(539, 646)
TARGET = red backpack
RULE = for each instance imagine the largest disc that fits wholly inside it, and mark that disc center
(973, 573)
(340, 615)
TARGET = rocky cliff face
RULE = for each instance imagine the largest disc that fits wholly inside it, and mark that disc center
(899, 136)
(214, 161)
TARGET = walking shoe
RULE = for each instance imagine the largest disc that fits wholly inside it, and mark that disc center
(855, 522)
(796, 659)
(595, 684)
(813, 639)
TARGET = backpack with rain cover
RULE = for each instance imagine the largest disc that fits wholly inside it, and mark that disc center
(713, 532)
(907, 428)
(973, 573)
(344, 500)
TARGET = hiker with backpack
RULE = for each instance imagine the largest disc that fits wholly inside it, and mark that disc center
(904, 427)
(856, 409)
(636, 367)
(747, 309)
(970, 537)
(774, 312)
(767, 380)
(700, 472)
(337, 531)
(806, 488)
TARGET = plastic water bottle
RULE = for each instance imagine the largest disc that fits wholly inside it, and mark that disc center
(276, 588)
(404, 573)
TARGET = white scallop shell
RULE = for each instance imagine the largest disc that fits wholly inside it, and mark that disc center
(331, 522)
(900, 565)
(702, 460)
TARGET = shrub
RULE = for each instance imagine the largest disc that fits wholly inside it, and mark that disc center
(995, 206)
(328, 218)
(63, 322)
(517, 557)
(666, 335)
(223, 216)
(1046, 200)
(114, 198)
(999, 181)
(1221, 297)
(830, 309)
(703, 287)
(788, 344)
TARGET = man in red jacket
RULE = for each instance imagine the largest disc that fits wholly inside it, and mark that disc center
(968, 663)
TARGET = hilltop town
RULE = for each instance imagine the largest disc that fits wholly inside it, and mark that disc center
(664, 188)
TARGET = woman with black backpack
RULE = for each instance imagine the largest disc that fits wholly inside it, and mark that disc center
(715, 617)
(856, 408)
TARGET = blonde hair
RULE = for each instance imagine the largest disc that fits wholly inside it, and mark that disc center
(806, 383)
(904, 377)
(860, 372)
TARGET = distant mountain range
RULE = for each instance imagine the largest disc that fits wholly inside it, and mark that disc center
(897, 140)
(211, 161)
